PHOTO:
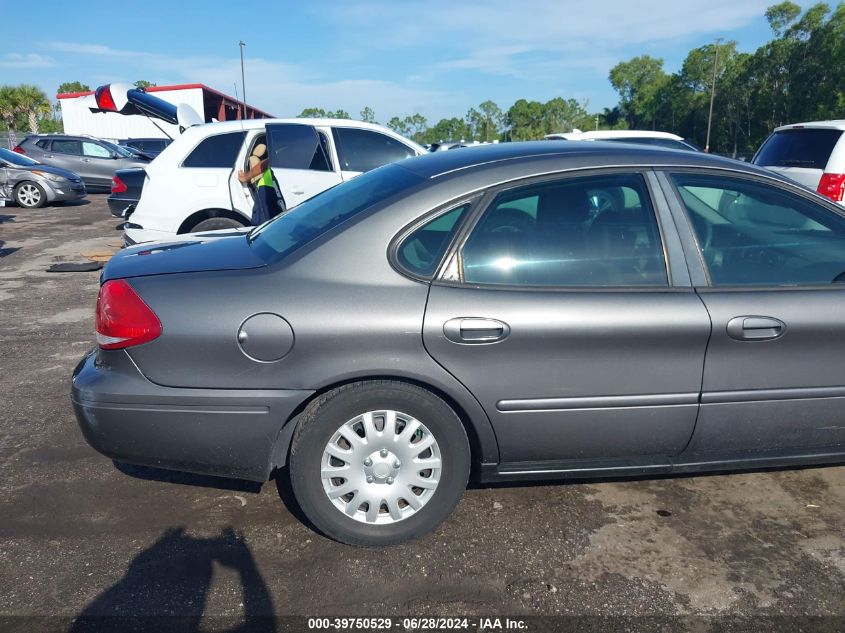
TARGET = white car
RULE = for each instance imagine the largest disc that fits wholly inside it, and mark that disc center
(640, 137)
(811, 153)
(192, 186)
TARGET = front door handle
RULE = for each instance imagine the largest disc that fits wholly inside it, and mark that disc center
(475, 330)
(755, 328)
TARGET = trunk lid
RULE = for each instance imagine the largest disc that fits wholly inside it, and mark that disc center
(215, 250)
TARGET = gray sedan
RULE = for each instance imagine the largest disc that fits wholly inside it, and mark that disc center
(30, 184)
(519, 311)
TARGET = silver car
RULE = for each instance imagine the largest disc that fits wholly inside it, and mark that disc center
(31, 185)
(94, 159)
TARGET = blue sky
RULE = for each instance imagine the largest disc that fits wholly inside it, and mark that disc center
(438, 57)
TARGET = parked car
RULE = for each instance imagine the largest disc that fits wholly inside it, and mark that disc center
(30, 184)
(95, 160)
(193, 186)
(151, 147)
(126, 191)
(811, 153)
(638, 137)
(479, 310)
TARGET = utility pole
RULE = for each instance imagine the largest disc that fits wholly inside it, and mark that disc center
(712, 93)
(243, 82)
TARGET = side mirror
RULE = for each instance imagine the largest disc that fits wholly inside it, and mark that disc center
(115, 155)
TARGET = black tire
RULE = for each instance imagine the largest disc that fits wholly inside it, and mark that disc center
(26, 192)
(326, 414)
(215, 224)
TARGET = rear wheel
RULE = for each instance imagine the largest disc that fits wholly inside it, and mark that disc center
(30, 195)
(379, 462)
(215, 224)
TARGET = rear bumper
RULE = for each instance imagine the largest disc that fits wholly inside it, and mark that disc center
(225, 432)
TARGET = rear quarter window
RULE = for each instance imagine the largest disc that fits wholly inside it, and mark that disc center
(220, 150)
(421, 251)
(807, 147)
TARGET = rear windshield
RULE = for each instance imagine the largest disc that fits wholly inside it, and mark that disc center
(314, 217)
(807, 147)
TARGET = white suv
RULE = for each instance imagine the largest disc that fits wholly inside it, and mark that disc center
(811, 153)
(193, 185)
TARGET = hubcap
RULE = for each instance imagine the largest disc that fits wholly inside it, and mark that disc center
(381, 467)
(28, 195)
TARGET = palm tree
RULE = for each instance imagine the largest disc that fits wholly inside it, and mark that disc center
(34, 103)
(9, 106)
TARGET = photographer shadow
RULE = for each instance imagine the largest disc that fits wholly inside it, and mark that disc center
(165, 588)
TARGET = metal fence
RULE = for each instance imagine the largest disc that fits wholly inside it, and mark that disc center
(9, 139)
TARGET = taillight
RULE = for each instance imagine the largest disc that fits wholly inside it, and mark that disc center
(123, 319)
(104, 99)
(832, 186)
(117, 185)
(18, 149)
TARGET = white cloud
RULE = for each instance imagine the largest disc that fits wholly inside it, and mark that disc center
(30, 60)
(91, 49)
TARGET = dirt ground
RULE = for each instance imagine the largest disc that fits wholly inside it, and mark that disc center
(81, 535)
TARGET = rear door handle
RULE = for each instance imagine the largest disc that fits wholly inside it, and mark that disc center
(475, 330)
(755, 328)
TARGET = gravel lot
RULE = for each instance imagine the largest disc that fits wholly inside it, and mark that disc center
(82, 535)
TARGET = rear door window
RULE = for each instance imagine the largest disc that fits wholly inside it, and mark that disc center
(220, 150)
(67, 147)
(807, 147)
(590, 231)
(363, 150)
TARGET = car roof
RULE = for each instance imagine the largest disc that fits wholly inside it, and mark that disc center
(607, 134)
(835, 124)
(252, 124)
(257, 123)
(543, 157)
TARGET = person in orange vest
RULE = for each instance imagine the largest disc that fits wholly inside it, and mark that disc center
(268, 201)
